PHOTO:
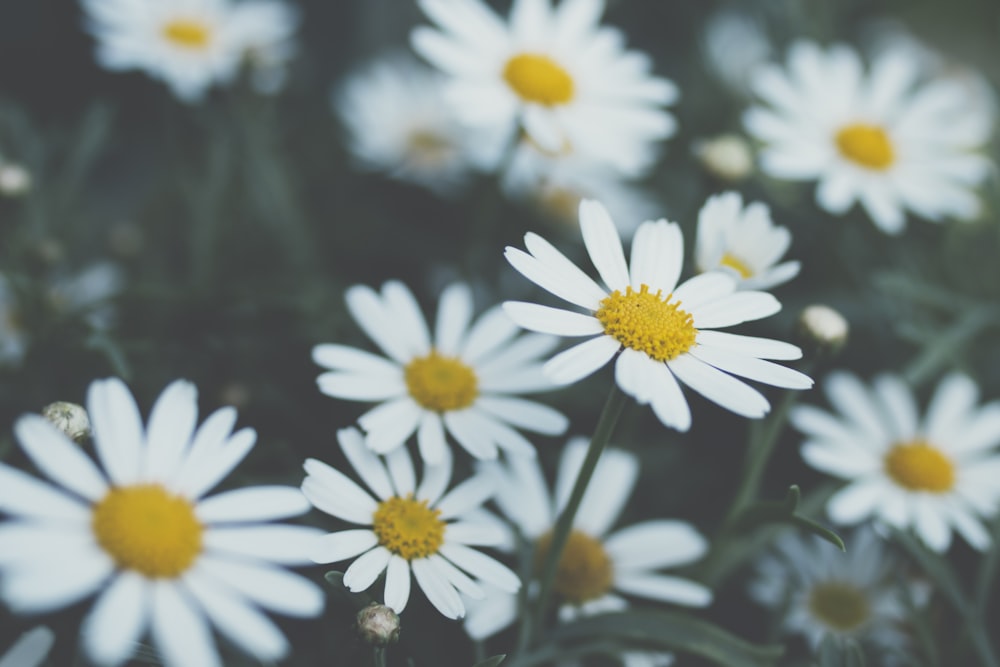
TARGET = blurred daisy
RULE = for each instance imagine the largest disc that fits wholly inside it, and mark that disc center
(140, 535)
(460, 382)
(398, 122)
(659, 331)
(742, 241)
(596, 567)
(265, 30)
(933, 474)
(820, 590)
(553, 73)
(414, 528)
(30, 650)
(876, 139)
(734, 43)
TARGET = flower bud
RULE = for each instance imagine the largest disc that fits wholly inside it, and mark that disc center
(824, 327)
(726, 157)
(14, 180)
(378, 625)
(69, 418)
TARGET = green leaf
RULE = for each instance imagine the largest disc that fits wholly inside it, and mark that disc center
(336, 580)
(786, 511)
(491, 662)
(669, 630)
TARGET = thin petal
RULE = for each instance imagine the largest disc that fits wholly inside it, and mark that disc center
(604, 246)
(719, 387)
(761, 348)
(665, 588)
(397, 584)
(548, 320)
(525, 414)
(23, 495)
(330, 491)
(401, 472)
(438, 590)
(389, 425)
(453, 317)
(467, 496)
(171, 425)
(431, 440)
(655, 544)
(271, 587)
(366, 569)
(368, 466)
(735, 309)
(581, 360)
(117, 427)
(284, 544)
(657, 256)
(59, 459)
(118, 619)
(857, 501)
(180, 632)
(482, 567)
(256, 503)
(752, 368)
(342, 545)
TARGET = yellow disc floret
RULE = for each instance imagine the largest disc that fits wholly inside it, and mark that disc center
(647, 322)
(187, 33)
(539, 79)
(441, 383)
(736, 264)
(147, 529)
(866, 145)
(408, 527)
(838, 605)
(919, 466)
(584, 571)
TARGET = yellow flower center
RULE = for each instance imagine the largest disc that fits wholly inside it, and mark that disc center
(539, 79)
(867, 145)
(428, 149)
(737, 264)
(919, 466)
(408, 527)
(561, 203)
(838, 605)
(187, 33)
(647, 322)
(441, 383)
(584, 571)
(147, 529)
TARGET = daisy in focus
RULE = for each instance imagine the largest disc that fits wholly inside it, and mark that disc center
(30, 650)
(597, 565)
(743, 241)
(398, 121)
(138, 532)
(935, 474)
(820, 590)
(659, 332)
(553, 73)
(414, 529)
(459, 382)
(877, 138)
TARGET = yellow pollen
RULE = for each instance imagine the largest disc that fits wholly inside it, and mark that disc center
(441, 383)
(187, 33)
(737, 264)
(584, 571)
(838, 605)
(147, 529)
(539, 79)
(867, 145)
(919, 466)
(647, 322)
(408, 527)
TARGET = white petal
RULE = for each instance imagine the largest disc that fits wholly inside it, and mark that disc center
(342, 545)
(215, 466)
(464, 428)
(655, 544)
(431, 440)
(762, 348)
(59, 459)
(284, 544)
(453, 317)
(255, 503)
(117, 427)
(171, 425)
(752, 368)
(266, 585)
(359, 387)
(634, 374)
(401, 472)
(118, 619)
(461, 581)
(603, 244)
(23, 495)
(397, 584)
(435, 478)
(368, 311)
(897, 401)
(703, 289)
(466, 497)
(556, 321)
(528, 415)
(330, 491)
(210, 439)
(669, 404)
(350, 359)
(523, 350)
(389, 425)
(719, 387)
(930, 525)
(490, 331)
(581, 360)
(482, 567)
(365, 570)
(180, 633)
(47, 586)
(664, 588)
(31, 648)
(406, 316)
(954, 399)
(856, 501)
(735, 309)
(551, 270)
(610, 488)
(839, 461)
(981, 432)
(438, 590)
(657, 256)
(475, 533)
(26, 543)
(857, 404)
(368, 466)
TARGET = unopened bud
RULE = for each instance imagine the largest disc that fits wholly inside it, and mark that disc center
(824, 327)
(378, 625)
(14, 180)
(69, 418)
(727, 157)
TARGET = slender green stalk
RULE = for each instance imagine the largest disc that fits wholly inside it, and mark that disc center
(379, 656)
(560, 533)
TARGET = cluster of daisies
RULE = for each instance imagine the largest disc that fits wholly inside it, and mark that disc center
(551, 101)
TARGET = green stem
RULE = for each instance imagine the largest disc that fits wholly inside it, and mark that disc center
(560, 533)
(379, 656)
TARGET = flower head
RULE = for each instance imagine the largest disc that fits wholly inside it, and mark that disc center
(933, 474)
(138, 531)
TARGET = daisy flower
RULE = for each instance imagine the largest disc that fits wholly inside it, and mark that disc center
(596, 567)
(659, 331)
(398, 121)
(820, 590)
(743, 241)
(137, 531)
(933, 474)
(460, 382)
(553, 73)
(878, 139)
(265, 30)
(734, 42)
(30, 650)
(413, 529)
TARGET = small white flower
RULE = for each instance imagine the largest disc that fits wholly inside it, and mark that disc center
(934, 474)
(821, 590)
(138, 532)
(414, 529)
(727, 157)
(15, 180)
(658, 330)
(734, 43)
(824, 325)
(875, 138)
(30, 650)
(398, 121)
(554, 73)
(459, 382)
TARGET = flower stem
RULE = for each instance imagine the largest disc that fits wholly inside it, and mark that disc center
(560, 533)
(379, 656)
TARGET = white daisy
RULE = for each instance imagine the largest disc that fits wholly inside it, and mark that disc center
(459, 382)
(876, 138)
(596, 567)
(188, 44)
(734, 42)
(933, 474)
(414, 528)
(659, 331)
(137, 531)
(397, 121)
(743, 241)
(554, 73)
(265, 31)
(30, 650)
(820, 590)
